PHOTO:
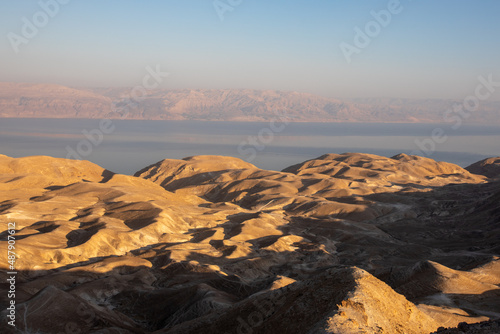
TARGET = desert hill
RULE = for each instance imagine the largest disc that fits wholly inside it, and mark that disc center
(344, 243)
(55, 101)
(489, 167)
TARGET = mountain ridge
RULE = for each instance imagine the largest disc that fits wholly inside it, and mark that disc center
(55, 101)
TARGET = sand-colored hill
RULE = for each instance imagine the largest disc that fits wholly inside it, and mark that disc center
(489, 167)
(345, 243)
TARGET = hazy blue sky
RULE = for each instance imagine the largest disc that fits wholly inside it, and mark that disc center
(429, 49)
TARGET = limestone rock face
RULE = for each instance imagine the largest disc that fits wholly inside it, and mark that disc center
(344, 243)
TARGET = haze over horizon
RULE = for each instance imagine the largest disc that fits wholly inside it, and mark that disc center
(249, 166)
(426, 49)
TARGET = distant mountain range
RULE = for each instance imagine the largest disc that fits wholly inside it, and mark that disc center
(54, 101)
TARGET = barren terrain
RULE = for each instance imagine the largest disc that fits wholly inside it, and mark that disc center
(55, 101)
(344, 243)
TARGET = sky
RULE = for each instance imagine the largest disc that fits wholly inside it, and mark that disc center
(424, 49)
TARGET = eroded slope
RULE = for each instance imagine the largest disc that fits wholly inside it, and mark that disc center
(349, 243)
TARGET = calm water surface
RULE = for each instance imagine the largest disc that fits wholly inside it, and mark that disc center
(133, 145)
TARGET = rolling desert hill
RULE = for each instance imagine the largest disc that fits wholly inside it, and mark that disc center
(344, 243)
(489, 167)
(55, 101)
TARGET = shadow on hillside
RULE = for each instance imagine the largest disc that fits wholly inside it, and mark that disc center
(139, 299)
